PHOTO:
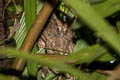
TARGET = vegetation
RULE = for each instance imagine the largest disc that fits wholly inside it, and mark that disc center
(96, 28)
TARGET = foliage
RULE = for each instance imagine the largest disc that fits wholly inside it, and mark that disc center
(95, 38)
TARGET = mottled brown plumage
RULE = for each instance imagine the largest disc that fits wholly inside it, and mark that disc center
(56, 37)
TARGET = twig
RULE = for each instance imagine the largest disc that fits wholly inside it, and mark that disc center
(9, 1)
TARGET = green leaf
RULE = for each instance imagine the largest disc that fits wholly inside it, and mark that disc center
(80, 45)
(108, 7)
(6, 77)
(98, 76)
(39, 77)
(59, 65)
(87, 55)
(50, 76)
(94, 1)
(30, 12)
(96, 23)
(98, 53)
(30, 15)
(118, 26)
(21, 33)
(32, 66)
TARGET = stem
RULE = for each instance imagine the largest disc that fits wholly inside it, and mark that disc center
(34, 32)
